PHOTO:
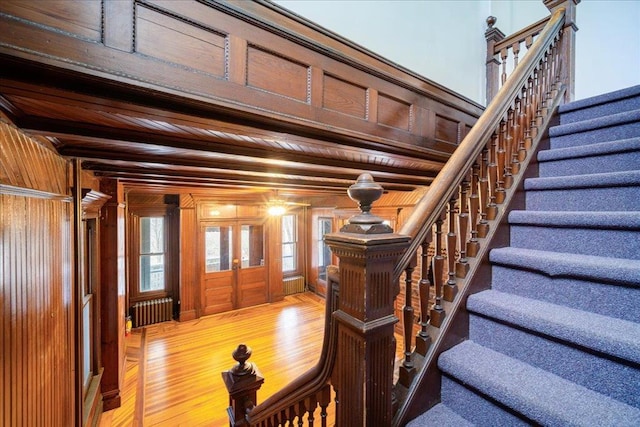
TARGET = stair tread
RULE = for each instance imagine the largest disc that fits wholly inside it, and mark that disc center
(600, 99)
(615, 337)
(619, 271)
(533, 392)
(595, 123)
(609, 220)
(442, 416)
(607, 147)
(609, 179)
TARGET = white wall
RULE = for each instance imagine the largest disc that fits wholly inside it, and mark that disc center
(443, 40)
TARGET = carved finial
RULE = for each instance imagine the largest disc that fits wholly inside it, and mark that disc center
(365, 191)
(241, 355)
(491, 21)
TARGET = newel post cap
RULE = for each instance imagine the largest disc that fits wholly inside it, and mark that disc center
(365, 191)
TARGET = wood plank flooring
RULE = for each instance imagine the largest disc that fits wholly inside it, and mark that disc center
(173, 369)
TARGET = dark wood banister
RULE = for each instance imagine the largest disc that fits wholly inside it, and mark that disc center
(428, 209)
(313, 380)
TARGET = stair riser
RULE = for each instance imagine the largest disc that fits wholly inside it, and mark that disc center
(586, 241)
(607, 199)
(589, 370)
(628, 130)
(475, 407)
(611, 300)
(627, 104)
(616, 162)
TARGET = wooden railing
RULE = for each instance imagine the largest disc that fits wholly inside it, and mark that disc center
(306, 398)
(444, 242)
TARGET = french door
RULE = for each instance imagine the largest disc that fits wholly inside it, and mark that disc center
(234, 273)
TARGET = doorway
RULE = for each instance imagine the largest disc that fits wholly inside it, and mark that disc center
(234, 273)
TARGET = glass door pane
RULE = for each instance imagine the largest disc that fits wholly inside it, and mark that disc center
(251, 245)
(218, 248)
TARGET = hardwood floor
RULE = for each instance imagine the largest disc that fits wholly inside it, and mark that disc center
(173, 369)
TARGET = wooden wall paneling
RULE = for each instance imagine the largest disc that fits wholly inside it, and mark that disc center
(171, 39)
(237, 62)
(63, 16)
(277, 74)
(281, 62)
(117, 30)
(36, 319)
(394, 112)
(344, 97)
(189, 295)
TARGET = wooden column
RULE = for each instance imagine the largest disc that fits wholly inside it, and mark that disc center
(112, 307)
(567, 44)
(493, 36)
(368, 251)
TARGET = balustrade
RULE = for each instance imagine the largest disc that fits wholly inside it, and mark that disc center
(445, 239)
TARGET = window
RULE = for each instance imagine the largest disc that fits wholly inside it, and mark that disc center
(324, 253)
(289, 243)
(152, 254)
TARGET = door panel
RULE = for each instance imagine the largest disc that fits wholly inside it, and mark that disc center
(234, 272)
(218, 275)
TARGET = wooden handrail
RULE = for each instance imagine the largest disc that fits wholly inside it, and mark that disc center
(521, 35)
(428, 209)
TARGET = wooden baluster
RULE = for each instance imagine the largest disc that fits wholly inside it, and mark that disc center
(437, 313)
(556, 66)
(325, 399)
(531, 112)
(503, 56)
(516, 50)
(302, 410)
(540, 93)
(522, 123)
(508, 147)
(462, 266)
(312, 404)
(408, 370)
(474, 207)
(450, 287)
(515, 133)
(423, 340)
(483, 225)
(545, 88)
(528, 140)
(492, 208)
(500, 157)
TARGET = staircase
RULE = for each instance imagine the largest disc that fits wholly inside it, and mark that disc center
(556, 340)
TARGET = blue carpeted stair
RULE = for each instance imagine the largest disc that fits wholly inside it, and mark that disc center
(556, 340)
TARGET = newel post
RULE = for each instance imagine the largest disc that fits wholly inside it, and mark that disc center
(492, 35)
(368, 251)
(243, 382)
(567, 44)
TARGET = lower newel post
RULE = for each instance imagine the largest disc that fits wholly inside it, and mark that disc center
(243, 382)
(368, 251)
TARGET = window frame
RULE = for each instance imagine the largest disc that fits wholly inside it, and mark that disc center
(295, 243)
(136, 294)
